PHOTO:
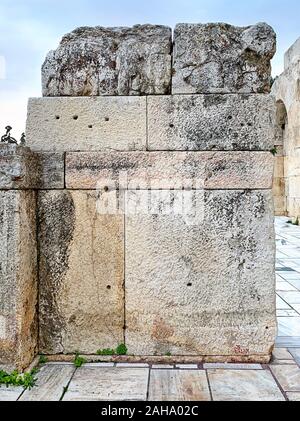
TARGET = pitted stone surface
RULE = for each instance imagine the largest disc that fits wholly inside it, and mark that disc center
(110, 61)
(202, 285)
(221, 58)
(19, 167)
(83, 124)
(81, 274)
(164, 170)
(211, 122)
(18, 278)
(23, 169)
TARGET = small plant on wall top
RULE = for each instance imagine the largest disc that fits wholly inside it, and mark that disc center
(78, 360)
(120, 350)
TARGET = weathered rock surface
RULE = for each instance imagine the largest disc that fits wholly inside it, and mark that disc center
(18, 167)
(18, 278)
(164, 170)
(110, 61)
(211, 122)
(81, 274)
(100, 123)
(202, 286)
(220, 58)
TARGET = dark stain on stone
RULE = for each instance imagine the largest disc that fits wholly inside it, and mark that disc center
(56, 222)
(214, 100)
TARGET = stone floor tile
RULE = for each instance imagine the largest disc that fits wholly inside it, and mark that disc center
(275, 361)
(178, 385)
(296, 307)
(287, 313)
(288, 326)
(111, 384)
(162, 366)
(290, 275)
(243, 385)
(296, 354)
(287, 342)
(288, 377)
(284, 286)
(295, 283)
(281, 304)
(51, 381)
(291, 297)
(10, 393)
(234, 366)
(281, 354)
(293, 396)
(187, 366)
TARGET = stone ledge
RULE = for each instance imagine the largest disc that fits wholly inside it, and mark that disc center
(165, 170)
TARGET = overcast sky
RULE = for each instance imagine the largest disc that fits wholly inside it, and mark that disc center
(30, 28)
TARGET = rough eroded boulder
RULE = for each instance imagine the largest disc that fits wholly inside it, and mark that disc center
(221, 58)
(110, 61)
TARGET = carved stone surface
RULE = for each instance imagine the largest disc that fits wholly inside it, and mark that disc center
(211, 122)
(81, 296)
(164, 170)
(221, 58)
(205, 285)
(18, 278)
(110, 61)
(72, 124)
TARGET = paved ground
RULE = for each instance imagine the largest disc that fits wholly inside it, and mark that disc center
(279, 380)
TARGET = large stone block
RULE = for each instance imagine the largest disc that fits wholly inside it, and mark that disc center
(164, 170)
(18, 278)
(81, 296)
(100, 123)
(211, 122)
(221, 58)
(110, 61)
(202, 285)
(20, 168)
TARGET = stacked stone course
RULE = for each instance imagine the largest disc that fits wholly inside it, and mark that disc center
(126, 100)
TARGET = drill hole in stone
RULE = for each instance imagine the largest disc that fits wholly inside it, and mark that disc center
(106, 118)
(105, 188)
(57, 117)
(189, 284)
(230, 117)
(171, 125)
(90, 126)
(108, 287)
(75, 117)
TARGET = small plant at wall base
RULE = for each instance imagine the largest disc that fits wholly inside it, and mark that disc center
(273, 151)
(297, 222)
(43, 359)
(78, 360)
(120, 350)
(26, 380)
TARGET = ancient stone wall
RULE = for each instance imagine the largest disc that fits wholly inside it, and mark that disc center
(153, 180)
(286, 90)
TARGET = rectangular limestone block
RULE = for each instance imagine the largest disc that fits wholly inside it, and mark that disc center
(81, 296)
(110, 61)
(221, 58)
(20, 168)
(164, 170)
(86, 123)
(211, 122)
(51, 170)
(18, 278)
(201, 282)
